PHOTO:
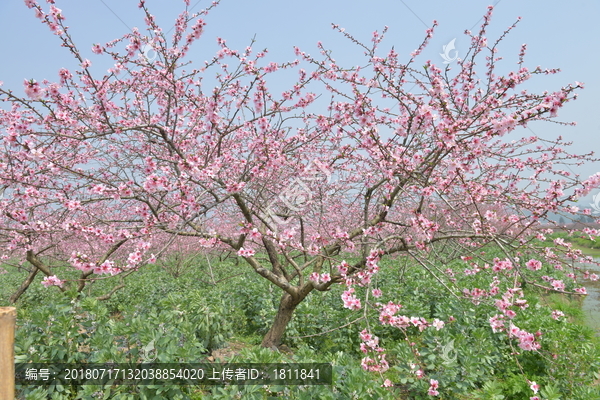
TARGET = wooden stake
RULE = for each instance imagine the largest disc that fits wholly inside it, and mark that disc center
(8, 317)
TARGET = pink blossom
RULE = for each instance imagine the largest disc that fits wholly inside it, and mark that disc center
(437, 324)
(365, 335)
(534, 265)
(500, 265)
(314, 277)
(196, 30)
(107, 267)
(272, 67)
(33, 89)
(52, 281)
(558, 285)
(255, 234)
(556, 314)
(65, 75)
(502, 304)
(236, 187)
(343, 268)
(581, 290)
(526, 339)
(513, 331)
(388, 311)
(134, 258)
(319, 278)
(375, 365)
(97, 49)
(534, 386)
(350, 300)
(81, 261)
(497, 323)
(56, 13)
(73, 204)
(433, 385)
(245, 252)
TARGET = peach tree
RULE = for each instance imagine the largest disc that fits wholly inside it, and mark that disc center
(311, 186)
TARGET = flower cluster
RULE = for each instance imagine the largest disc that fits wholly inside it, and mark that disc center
(526, 339)
(81, 261)
(350, 300)
(535, 388)
(107, 268)
(319, 278)
(33, 89)
(242, 252)
(433, 386)
(557, 315)
(497, 323)
(52, 281)
(508, 300)
(370, 343)
(534, 265)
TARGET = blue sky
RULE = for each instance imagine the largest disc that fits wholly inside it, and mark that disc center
(559, 34)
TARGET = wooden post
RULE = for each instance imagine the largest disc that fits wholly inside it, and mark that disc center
(8, 316)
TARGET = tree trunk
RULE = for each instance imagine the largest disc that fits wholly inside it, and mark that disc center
(13, 299)
(287, 305)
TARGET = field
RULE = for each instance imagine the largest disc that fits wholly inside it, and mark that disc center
(208, 310)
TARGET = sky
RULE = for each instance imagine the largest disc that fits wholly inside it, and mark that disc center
(559, 34)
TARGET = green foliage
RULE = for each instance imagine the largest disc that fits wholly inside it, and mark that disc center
(182, 319)
(578, 238)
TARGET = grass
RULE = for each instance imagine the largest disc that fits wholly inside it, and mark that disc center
(587, 251)
(567, 304)
(241, 308)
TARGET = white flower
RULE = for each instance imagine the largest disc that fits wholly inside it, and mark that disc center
(437, 324)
